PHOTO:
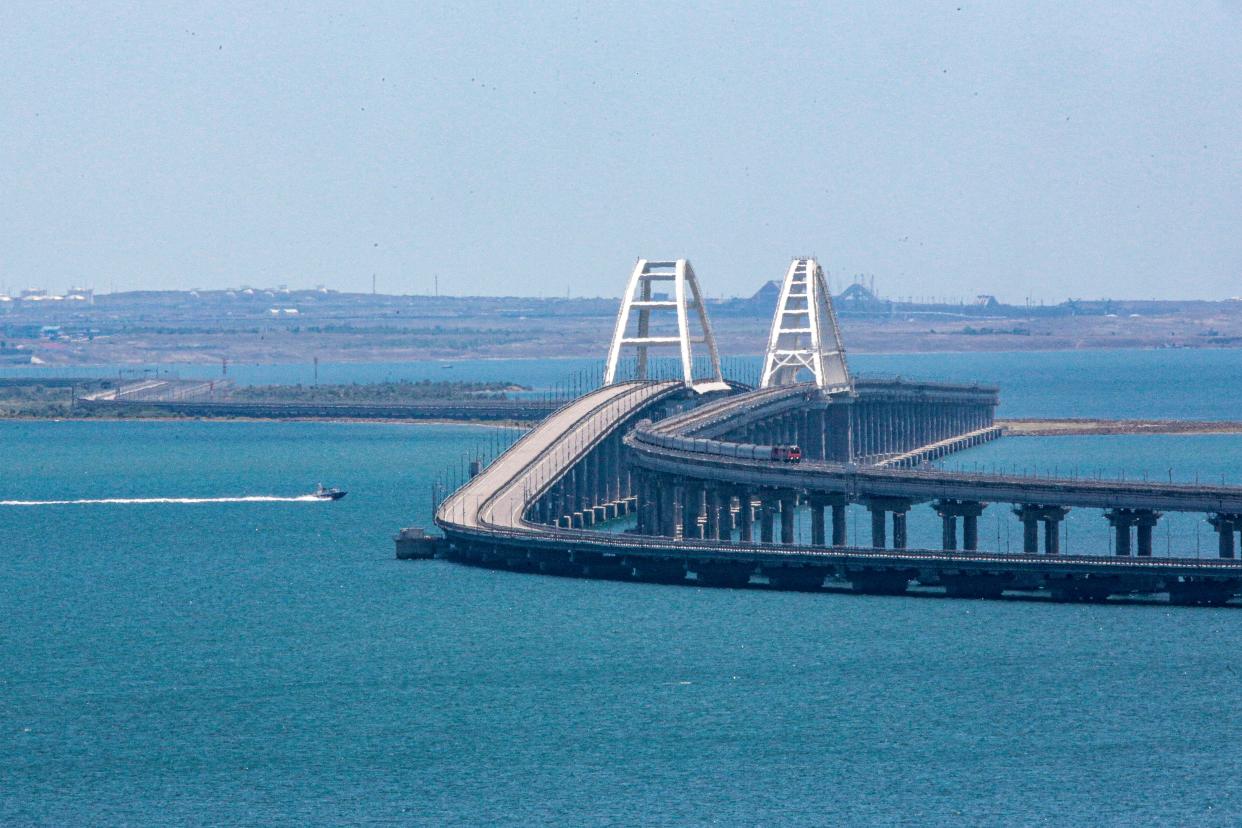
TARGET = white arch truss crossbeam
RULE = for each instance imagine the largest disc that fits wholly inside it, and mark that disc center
(638, 305)
(805, 340)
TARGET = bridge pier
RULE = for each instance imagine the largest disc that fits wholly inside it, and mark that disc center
(1143, 519)
(668, 508)
(691, 509)
(1208, 592)
(1226, 525)
(658, 570)
(746, 515)
(722, 573)
(767, 516)
(976, 584)
(788, 506)
(817, 520)
(796, 578)
(1084, 588)
(1145, 523)
(878, 581)
(838, 442)
(1031, 516)
(838, 521)
(969, 511)
(878, 541)
(711, 526)
(879, 507)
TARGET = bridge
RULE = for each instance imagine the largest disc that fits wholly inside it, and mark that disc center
(689, 481)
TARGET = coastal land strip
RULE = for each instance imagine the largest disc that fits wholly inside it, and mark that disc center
(1066, 427)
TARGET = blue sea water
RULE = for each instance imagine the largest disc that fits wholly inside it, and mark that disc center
(256, 662)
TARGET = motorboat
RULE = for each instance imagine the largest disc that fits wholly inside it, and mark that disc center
(328, 494)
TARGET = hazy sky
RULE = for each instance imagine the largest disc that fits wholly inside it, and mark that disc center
(1022, 149)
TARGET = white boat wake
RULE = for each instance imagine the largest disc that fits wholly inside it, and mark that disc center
(309, 498)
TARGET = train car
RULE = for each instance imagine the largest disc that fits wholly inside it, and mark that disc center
(787, 454)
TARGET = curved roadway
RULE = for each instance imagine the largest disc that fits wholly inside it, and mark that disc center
(490, 508)
(497, 497)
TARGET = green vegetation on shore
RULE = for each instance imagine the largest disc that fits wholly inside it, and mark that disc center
(35, 400)
(50, 401)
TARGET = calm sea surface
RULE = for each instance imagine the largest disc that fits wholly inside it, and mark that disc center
(269, 662)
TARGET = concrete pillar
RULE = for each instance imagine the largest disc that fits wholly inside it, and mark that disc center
(1121, 521)
(668, 506)
(593, 479)
(817, 520)
(712, 499)
(1146, 522)
(1030, 531)
(767, 509)
(899, 529)
(1031, 516)
(692, 510)
(878, 541)
(838, 444)
(838, 523)
(948, 531)
(746, 516)
(970, 532)
(969, 511)
(1225, 525)
(1052, 536)
(580, 486)
(607, 470)
(788, 504)
(649, 506)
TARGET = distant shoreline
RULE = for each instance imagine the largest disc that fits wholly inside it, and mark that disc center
(1014, 426)
(461, 360)
(341, 420)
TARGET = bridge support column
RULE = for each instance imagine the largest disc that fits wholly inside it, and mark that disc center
(838, 522)
(1052, 517)
(1121, 520)
(817, 520)
(746, 516)
(948, 531)
(647, 510)
(711, 527)
(1225, 525)
(878, 541)
(879, 506)
(592, 462)
(580, 487)
(969, 511)
(767, 514)
(1145, 521)
(788, 505)
(1031, 516)
(838, 444)
(1030, 533)
(692, 509)
(667, 491)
